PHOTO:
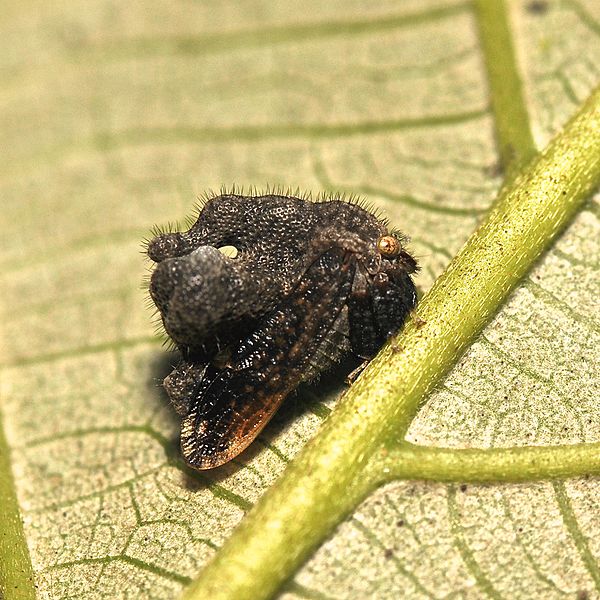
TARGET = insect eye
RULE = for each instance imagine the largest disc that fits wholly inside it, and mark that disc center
(388, 245)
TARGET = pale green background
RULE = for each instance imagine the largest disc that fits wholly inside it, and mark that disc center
(115, 116)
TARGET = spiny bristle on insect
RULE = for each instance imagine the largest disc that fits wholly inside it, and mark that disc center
(156, 318)
(355, 199)
(206, 195)
(232, 190)
(277, 190)
(168, 227)
(352, 198)
(169, 345)
(201, 201)
(190, 221)
(343, 196)
(363, 202)
(150, 306)
(144, 244)
(307, 195)
(274, 189)
(328, 196)
(400, 236)
(145, 283)
(155, 231)
(159, 331)
(157, 325)
(165, 340)
(255, 191)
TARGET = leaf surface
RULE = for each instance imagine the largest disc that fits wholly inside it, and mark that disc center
(115, 118)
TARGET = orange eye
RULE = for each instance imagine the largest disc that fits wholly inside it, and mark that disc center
(388, 245)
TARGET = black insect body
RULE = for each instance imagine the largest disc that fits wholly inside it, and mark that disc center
(311, 282)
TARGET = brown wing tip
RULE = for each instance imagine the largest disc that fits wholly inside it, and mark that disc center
(200, 452)
(207, 462)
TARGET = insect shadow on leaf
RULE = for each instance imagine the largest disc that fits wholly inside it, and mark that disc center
(302, 284)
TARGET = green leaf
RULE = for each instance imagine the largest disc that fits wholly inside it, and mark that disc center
(114, 117)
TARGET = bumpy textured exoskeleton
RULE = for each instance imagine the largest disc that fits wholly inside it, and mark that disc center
(311, 282)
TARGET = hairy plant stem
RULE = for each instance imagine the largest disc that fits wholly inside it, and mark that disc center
(329, 477)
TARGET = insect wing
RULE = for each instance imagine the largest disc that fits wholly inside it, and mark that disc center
(238, 400)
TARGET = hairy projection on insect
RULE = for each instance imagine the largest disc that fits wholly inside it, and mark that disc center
(311, 283)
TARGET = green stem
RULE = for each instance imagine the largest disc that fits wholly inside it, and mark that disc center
(526, 463)
(16, 573)
(328, 477)
(511, 120)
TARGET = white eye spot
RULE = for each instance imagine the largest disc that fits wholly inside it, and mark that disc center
(229, 251)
